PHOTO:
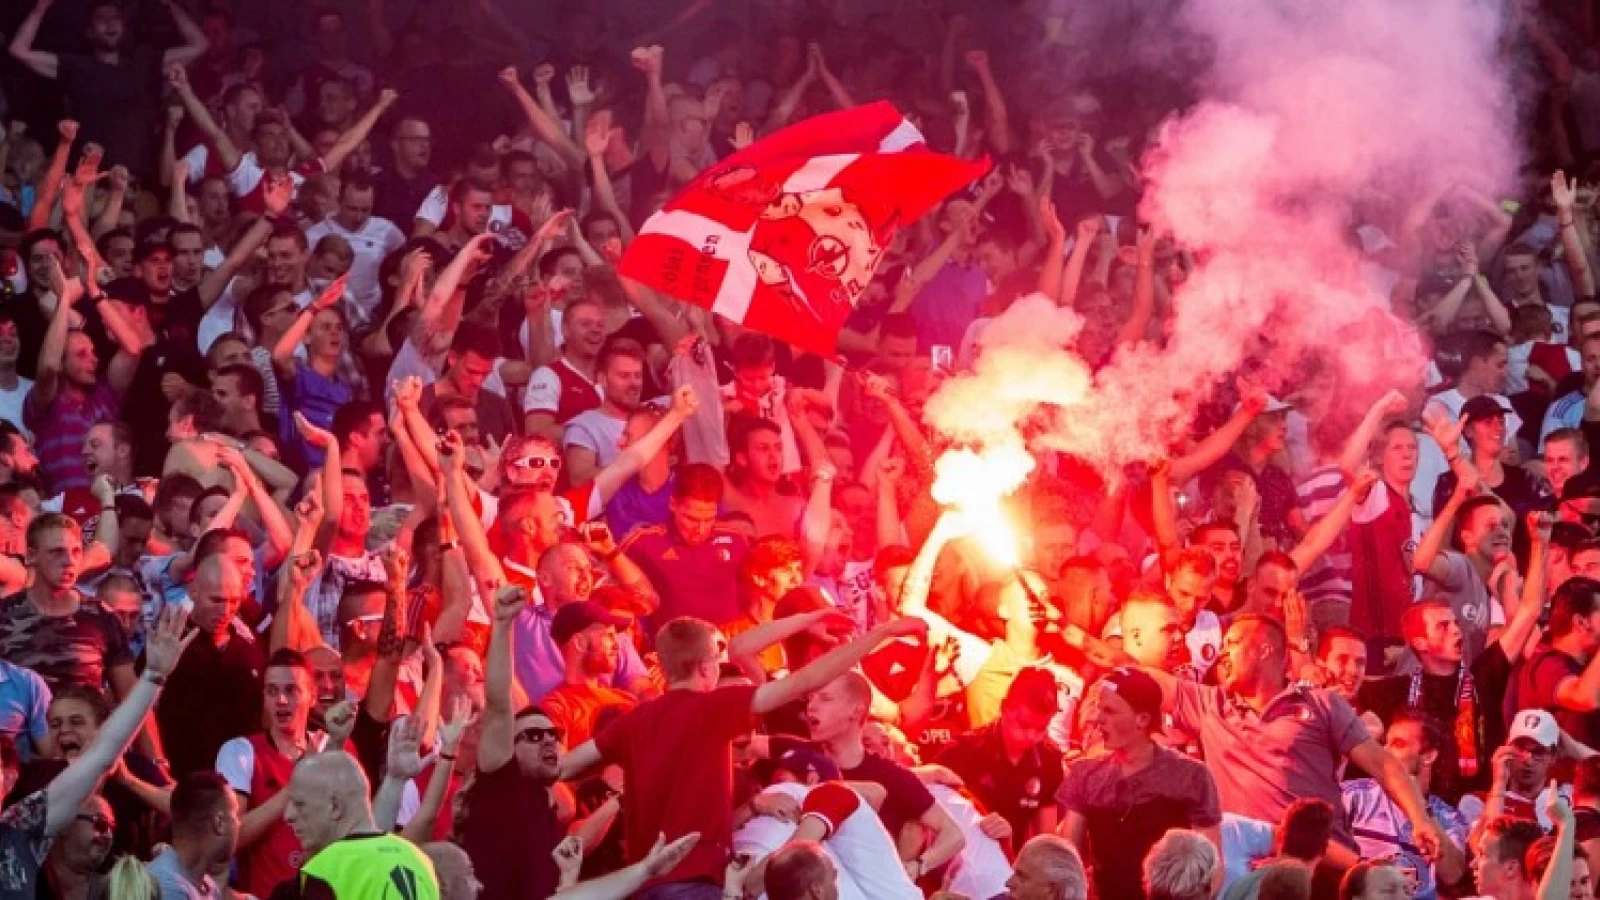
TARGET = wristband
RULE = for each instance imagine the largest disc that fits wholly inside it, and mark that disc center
(448, 756)
(447, 546)
(154, 678)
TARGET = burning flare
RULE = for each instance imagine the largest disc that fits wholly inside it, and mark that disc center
(975, 483)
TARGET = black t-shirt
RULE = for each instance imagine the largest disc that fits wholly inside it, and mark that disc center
(397, 198)
(1491, 673)
(907, 799)
(510, 832)
(32, 323)
(213, 696)
(115, 104)
(1015, 790)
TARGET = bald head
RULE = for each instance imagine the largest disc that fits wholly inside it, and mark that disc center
(799, 870)
(454, 870)
(217, 591)
(328, 800)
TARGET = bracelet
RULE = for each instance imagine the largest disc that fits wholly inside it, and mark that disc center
(1567, 223)
(447, 546)
(448, 756)
(154, 678)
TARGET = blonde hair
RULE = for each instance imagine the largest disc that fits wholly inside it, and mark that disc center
(130, 880)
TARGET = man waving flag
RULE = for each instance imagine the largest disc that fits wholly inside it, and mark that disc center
(784, 235)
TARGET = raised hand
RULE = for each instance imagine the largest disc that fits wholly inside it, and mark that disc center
(578, 90)
(684, 401)
(509, 600)
(569, 859)
(510, 78)
(396, 564)
(277, 194)
(408, 393)
(405, 760)
(891, 469)
(452, 728)
(1442, 427)
(1050, 222)
(597, 133)
(67, 129)
(743, 135)
(1020, 181)
(314, 435)
(995, 827)
(304, 570)
(978, 61)
(543, 74)
(308, 512)
(1564, 193)
(648, 60)
(960, 107)
(340, 722)
(166, 641)
(332, 294)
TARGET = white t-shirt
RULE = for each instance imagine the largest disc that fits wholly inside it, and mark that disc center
(376, 239)
(981, 869)
(858, 842)
(11, 404)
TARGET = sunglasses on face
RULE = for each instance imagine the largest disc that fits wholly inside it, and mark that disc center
(100, 824)
(537, 462)
(538, 734)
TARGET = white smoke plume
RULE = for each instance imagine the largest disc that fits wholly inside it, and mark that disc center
(1307, 108)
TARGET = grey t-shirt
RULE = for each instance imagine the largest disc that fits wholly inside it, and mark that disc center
(1264, 762)
(173, 883)
(598, 432)
(1476, 611)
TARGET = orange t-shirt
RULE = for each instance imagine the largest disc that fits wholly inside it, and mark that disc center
(573, 708)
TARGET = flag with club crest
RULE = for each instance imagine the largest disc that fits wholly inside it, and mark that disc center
(785, 235)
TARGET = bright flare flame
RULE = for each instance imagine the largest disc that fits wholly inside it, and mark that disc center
(974, 483)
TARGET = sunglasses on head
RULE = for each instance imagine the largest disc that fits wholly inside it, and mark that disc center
(538, 734)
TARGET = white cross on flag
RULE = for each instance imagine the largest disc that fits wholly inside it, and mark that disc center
(784, 235)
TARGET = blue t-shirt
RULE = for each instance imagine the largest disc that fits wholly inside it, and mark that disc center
(316, 397)
(632, 506)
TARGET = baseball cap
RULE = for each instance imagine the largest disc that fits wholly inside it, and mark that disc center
(1481, 407)
(150, 248)
(575, 617)
(1536, 725)
(1139, 689)
(804, 762)
(1274, 405)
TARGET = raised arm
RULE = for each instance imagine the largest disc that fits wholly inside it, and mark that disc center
(53, 349)
(351, 139)
(1577, 255)
(228, 153)
(42, 63)
(835, 87)
(1072, 274)
(545, 127)
(1050, 267)
(1321, 535)
(831, 665)
(497, 742)
(50, 190)
(194, 40)
(635, 455)
(67, 791)
(997, 128)
(598, 134)
(1428, 558)
(1144, 291)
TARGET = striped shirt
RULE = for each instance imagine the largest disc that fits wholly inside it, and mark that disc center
(1565, 412)
(60, 426)
(1330, 577)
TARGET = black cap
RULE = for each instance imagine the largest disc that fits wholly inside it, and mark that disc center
(1481, 407)
(575, 617)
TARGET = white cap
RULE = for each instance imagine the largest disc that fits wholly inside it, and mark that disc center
(1274, 405)
(1536, 725)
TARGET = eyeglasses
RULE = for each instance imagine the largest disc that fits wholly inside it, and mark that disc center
(100, 824)
(538, 734)
(538, 462)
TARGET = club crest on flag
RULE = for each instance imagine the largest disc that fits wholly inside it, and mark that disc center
(785, 236)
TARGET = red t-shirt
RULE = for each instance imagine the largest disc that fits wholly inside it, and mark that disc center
(676, 753)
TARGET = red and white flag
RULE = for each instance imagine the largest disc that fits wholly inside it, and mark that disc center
(784, 235)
